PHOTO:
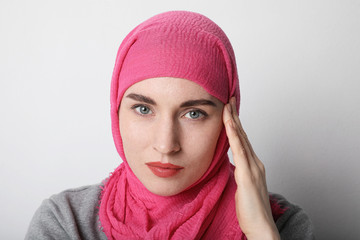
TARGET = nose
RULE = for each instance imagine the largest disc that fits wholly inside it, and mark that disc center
(166, 135)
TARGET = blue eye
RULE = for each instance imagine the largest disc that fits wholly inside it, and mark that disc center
(143, 109)
(194, 114)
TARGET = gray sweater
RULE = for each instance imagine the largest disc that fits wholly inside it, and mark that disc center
(73, 214)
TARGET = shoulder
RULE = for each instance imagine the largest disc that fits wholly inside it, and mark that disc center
(78, 199)
(294, 223)
(71, 214)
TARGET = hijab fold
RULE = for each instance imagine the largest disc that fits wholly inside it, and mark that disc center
(184, 45)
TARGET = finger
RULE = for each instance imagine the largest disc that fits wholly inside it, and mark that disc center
(238, 122)
(244, 139)
(254, 163)
(246, 142)
(255, 158)
(237, 149)
(236, 118)
(247, 163)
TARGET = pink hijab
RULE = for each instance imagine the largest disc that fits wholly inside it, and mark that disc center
(185, 45)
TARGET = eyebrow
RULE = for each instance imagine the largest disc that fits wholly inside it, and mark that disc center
(190, 103)
(141, 98)
(197, 103)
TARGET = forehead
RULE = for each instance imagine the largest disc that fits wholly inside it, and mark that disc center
(170, 88)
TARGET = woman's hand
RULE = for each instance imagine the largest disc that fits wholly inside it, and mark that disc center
(251, 198)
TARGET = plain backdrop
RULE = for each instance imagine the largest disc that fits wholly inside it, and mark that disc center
(299, 68)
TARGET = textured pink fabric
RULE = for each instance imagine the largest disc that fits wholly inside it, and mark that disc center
(185, 45)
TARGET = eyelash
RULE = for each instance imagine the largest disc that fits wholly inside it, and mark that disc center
(140, 105)
(202, 113)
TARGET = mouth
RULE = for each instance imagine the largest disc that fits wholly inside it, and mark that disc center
(164, 170)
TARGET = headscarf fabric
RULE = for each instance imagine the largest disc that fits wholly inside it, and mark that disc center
(185, 45)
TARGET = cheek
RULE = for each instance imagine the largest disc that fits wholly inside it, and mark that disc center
(133, 137)
(201, 142)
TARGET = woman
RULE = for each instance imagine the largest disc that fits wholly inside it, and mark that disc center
(174, 103)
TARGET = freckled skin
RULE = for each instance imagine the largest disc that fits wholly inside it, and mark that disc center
(168, 133)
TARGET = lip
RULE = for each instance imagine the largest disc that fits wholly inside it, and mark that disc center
(164, 170)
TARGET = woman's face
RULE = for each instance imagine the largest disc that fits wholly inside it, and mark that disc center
(169, 128)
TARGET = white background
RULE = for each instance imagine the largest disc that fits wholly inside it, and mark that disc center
(299, 67)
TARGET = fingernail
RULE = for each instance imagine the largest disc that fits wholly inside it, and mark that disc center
(230, 122)
(228, 106)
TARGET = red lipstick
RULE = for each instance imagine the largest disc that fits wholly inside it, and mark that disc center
(164, 170)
